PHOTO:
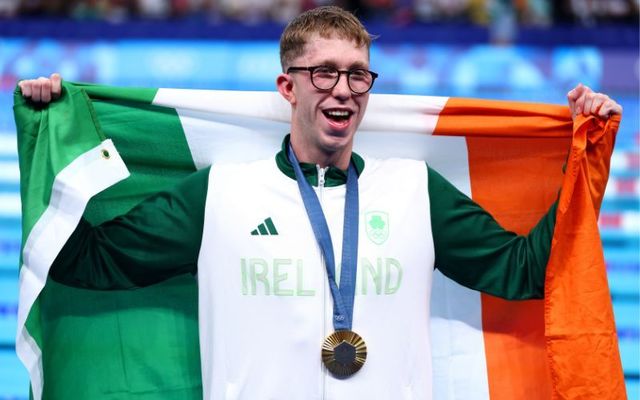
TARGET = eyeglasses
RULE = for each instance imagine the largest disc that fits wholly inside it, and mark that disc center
(324, 77)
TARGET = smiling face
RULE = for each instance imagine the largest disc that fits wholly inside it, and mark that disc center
(323, 123)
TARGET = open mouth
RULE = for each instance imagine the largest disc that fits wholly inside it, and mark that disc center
(338, 115)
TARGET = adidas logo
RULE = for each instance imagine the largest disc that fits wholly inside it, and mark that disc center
(265, 228)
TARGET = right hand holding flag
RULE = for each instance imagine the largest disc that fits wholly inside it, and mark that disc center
(42, 90)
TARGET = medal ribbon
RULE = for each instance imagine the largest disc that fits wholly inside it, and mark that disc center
(343, 296)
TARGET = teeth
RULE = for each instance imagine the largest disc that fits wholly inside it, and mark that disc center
(336, 113)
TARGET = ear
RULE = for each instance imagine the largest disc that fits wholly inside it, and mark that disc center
(284, 83)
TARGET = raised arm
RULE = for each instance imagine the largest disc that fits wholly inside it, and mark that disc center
(156, 240)
(475, 251)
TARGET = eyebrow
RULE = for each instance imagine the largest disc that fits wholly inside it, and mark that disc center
(356, 65)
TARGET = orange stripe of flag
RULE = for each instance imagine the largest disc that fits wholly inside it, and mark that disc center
(517, 150)
(513, 119)
(580, 331)
(514, 331)
(503, 160)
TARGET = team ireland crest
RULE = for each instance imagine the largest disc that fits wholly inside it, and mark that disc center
(377, 223)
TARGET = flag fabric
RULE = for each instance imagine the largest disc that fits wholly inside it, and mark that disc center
(98, 151)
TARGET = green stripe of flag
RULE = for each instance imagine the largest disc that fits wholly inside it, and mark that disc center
(140, 344)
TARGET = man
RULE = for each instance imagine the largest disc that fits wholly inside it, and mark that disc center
(256, 334)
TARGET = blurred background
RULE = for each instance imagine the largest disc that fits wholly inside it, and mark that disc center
(513, 49)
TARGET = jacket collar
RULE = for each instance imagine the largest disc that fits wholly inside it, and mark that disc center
(333, 177)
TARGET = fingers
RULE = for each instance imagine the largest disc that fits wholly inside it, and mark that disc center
(42, 90)
(609, 108)
(25, 88)
(579, 96)
(56, 85)
(600, 105)
(573, 96)
(44, 95)
(583, 100)
(587, 104)
(576, 92)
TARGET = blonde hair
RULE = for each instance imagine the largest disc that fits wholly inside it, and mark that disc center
(328, 22)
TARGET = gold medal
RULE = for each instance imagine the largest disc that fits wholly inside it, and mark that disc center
(344, 353)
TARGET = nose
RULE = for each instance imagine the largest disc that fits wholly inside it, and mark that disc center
(342, 89)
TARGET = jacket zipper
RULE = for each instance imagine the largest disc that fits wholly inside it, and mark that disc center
(321, 182)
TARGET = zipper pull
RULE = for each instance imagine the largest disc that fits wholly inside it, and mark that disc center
(321, 172)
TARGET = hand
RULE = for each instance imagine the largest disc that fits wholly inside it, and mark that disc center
(42, 90)
(583, 100)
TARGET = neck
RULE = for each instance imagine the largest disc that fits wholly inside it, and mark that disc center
(338, 159)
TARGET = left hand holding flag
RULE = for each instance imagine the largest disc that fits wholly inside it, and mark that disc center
(583, 100)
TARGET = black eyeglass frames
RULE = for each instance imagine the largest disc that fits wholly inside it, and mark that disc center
(325, 77)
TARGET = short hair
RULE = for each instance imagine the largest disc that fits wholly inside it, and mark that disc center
(328, 22)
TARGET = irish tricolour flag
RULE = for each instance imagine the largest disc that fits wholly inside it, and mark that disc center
(99, 150)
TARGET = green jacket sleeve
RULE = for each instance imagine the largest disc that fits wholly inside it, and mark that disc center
(157, 239)
(474, 250)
